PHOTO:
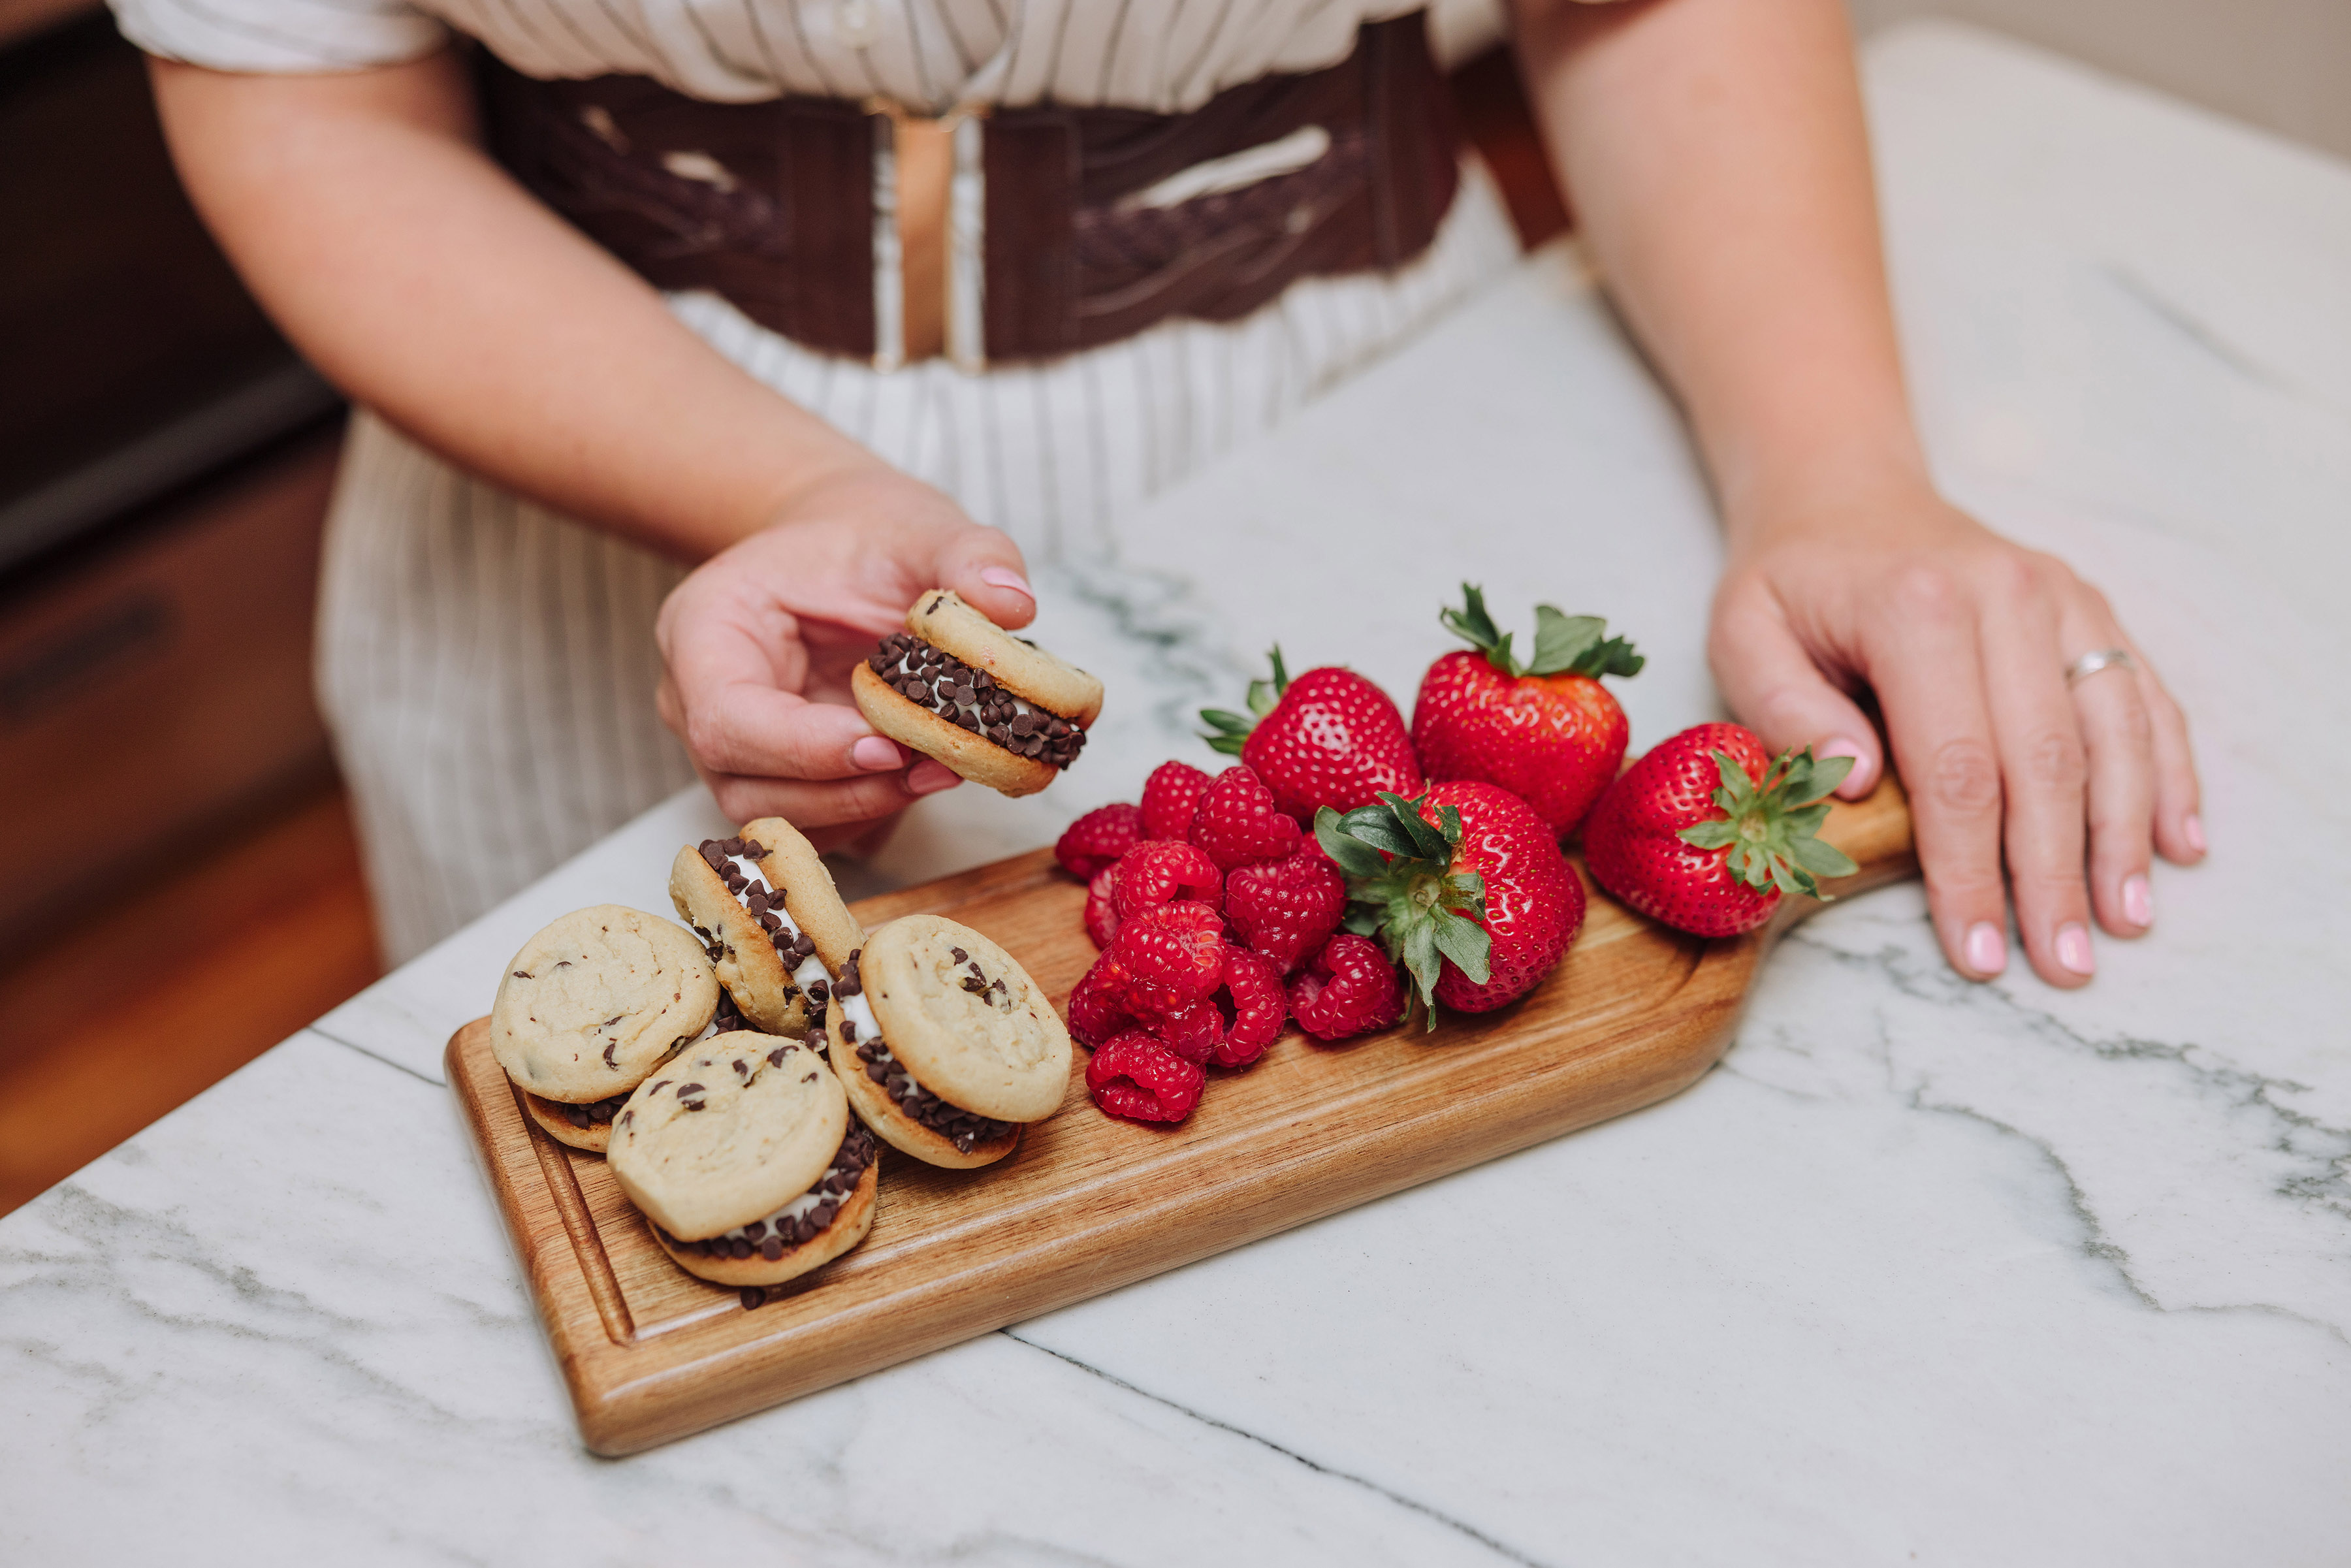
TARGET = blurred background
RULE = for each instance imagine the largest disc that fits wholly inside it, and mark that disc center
(165, 463)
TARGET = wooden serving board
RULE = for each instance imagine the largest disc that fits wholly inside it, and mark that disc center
(1088, 1204)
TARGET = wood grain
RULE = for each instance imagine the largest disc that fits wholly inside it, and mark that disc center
(1088, 1204)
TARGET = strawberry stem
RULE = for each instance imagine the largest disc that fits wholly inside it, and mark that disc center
(1563, 644)
(1229, 730)
(1402, 888)
(1766, 831)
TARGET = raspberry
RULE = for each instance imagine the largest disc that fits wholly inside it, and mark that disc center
(1102, 908)
(1098, 839)
(1349, 988)
(1154, 873)
(1238, 822)
(1169, 798)
(1097, 1009)
(1286, 909)
(1252, 994)
(1193, 1031)
(1136, 1077)
(1168, 956)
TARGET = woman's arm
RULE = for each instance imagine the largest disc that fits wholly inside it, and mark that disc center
(1717, 157)
(430, 287)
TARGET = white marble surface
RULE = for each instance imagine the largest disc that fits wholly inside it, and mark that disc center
(1924, 1271)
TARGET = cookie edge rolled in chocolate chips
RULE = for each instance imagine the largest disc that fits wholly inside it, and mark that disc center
(889, 1121)
(850, 1223)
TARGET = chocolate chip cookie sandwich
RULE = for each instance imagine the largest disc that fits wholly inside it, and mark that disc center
(945, 1046)
(743, 1156)
(590, 1008)
(770, 919)
(995, 709)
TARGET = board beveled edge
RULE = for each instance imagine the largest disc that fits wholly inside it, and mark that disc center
(631, 1396)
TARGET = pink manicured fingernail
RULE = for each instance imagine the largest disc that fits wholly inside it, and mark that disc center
(928, 777)
(2192, 830)
(1005, 577)
(1987, 949)
(2139, 901)
(874, 753)
(1855, 781)
(2074, 949)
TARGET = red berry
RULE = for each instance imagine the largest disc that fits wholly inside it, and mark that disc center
(1098, 839)
(1540, 726)
(1534, 905)
(1334, 740)
(1252, 992)
(1098, 1006)
(1706, 846)
(1159, 872)
(1348, 989)
(1135, 1076)
(1192, 1031)
(1238, 823)
(1170, 796)
(1286, 909)
(1168, 956)
(1102, 907)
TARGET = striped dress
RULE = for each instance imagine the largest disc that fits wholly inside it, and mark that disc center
(488, 666)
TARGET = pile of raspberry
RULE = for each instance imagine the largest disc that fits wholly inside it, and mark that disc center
(1217, 917)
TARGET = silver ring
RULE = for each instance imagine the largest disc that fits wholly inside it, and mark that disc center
(2089, 665)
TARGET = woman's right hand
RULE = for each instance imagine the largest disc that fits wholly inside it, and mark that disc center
(759, 641)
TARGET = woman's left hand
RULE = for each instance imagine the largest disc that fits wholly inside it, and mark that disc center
(1966, 638)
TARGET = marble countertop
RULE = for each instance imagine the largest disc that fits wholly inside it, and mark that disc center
(1924, 1270)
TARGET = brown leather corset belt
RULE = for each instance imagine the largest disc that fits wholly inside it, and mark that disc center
(1065, 228)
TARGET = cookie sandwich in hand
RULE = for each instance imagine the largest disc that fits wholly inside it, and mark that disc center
(770, 920)
(745, 1158)
(590, 1006)
(945, 1046)
(997, 709)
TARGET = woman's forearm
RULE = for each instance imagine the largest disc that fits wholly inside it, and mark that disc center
(430, 288)
(1717, 157)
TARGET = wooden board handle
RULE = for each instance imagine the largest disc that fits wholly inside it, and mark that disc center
(1876, 831)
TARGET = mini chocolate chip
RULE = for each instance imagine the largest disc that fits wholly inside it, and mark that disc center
(848, 1031)
(713, 854)
(758, 851)
(522, 974)
(756, 1229)
(817, 992)
(627, 1117)
(754, 1297)
(974, 986)
(685, 1089)
(809, 1079)
(741, 1249)
(771, 1248)
(958, 955)
(776, 1057)
(876, 1072)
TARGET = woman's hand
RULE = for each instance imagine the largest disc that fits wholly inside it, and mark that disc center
(760, 640)
(1966, 638)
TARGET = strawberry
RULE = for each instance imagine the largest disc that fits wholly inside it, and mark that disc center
(1284, 910)
(1166, 956)
(1099, 838)
(1705, 833)
(1544, 729)
(1156, 871)
(1170, 796)
(1238, 822)
(1101, 906)
(1328, 738)
(1346, 989)
(1466, 886)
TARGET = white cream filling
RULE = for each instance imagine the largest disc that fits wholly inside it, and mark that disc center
(809, 969)
(858, 1011)
(798, 1209)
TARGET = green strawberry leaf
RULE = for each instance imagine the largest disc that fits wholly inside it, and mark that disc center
(1353, 857)
(1561, 640)
(1823, 859)
(1363, 919)
(1767, 831)
(1376, 826)
(1430, 841)
(1476, 628)
(1281, 675)
(1468, 946)
(1229, 731)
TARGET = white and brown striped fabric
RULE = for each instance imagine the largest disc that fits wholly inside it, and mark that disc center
(488, 667)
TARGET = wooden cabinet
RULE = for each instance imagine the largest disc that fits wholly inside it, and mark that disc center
(156, 691)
